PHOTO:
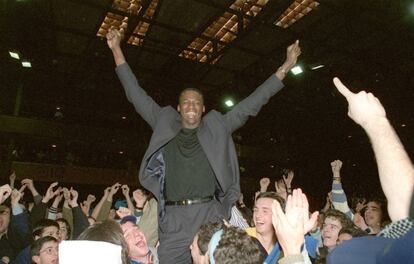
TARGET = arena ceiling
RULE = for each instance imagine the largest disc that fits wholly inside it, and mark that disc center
(226, 48)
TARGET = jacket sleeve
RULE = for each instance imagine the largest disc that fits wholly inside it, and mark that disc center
(143, 103)
(80, 221)
(252, 104)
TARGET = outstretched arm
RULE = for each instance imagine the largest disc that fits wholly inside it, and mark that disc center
(252, 104)
(145, 106)
(339, 199)
(395, 169)
(113, 39)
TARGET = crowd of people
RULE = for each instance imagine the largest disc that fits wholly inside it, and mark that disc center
(190, 208)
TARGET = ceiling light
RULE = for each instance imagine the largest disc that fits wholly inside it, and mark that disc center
(296, 70)
(124, 117)
(14, 55)
(318, 67)
(54, 146)
(403, 125)
(229, 103)
(26, 64)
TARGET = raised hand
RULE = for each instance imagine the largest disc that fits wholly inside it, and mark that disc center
(5, 192)
(287, 179)
(73, 202)
(113, 38)
(292, 226)
(15, 196)
(12, 179)
(364, 108)
(281, 189)
(66, 194)
(139, 197)
(264, 184)
(114, 189)
(360, 205)
(359, 221)
(50, 193)
(107, 191)
(125, 190)
(336, 166)
(90, 199)
(292, 54)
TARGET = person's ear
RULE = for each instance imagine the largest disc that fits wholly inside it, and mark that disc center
(204, 108)
(36, 259)
(178, 108)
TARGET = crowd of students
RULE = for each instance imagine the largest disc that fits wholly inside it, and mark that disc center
(56, 227)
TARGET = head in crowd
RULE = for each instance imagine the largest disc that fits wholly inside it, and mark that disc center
(333, 223)
(231, 245)
(4, 219)
(64, 229)
(135, 239)
(46, 227)
(107, 231)
(199, 246)
(191, 107)
(112, 214)
(347, 233)
(45, 250)
(375, 213)
(262, 212)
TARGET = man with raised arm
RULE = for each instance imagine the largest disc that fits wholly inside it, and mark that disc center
(191, 165)
(395, 169)
(396, 173)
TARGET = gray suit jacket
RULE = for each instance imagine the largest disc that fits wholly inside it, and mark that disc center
(214, 135)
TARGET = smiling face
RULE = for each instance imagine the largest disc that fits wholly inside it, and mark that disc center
(330, 231)
(137, 244)
(262, 216)
(191, 108)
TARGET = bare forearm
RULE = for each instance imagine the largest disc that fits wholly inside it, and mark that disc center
(118, 55)
(395, 169)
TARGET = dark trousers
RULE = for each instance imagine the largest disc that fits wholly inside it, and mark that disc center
(179, 226)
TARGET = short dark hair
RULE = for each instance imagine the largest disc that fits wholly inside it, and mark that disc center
(68, 229)
(38, 244)
(382, 203)
(108, 231)
(353, 231)
(274, 196)
(341, 217)
(236, 246)
(204, 235)
(192, 90)
(41, 225)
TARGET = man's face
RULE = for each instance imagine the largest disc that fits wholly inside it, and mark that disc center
(49, 254)
(330, 231)
(196, 254)
(63, 231)
(4, 219)
(262, 216)
(137, 244)
(373, 214)
(191, 107)
(52, 231)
